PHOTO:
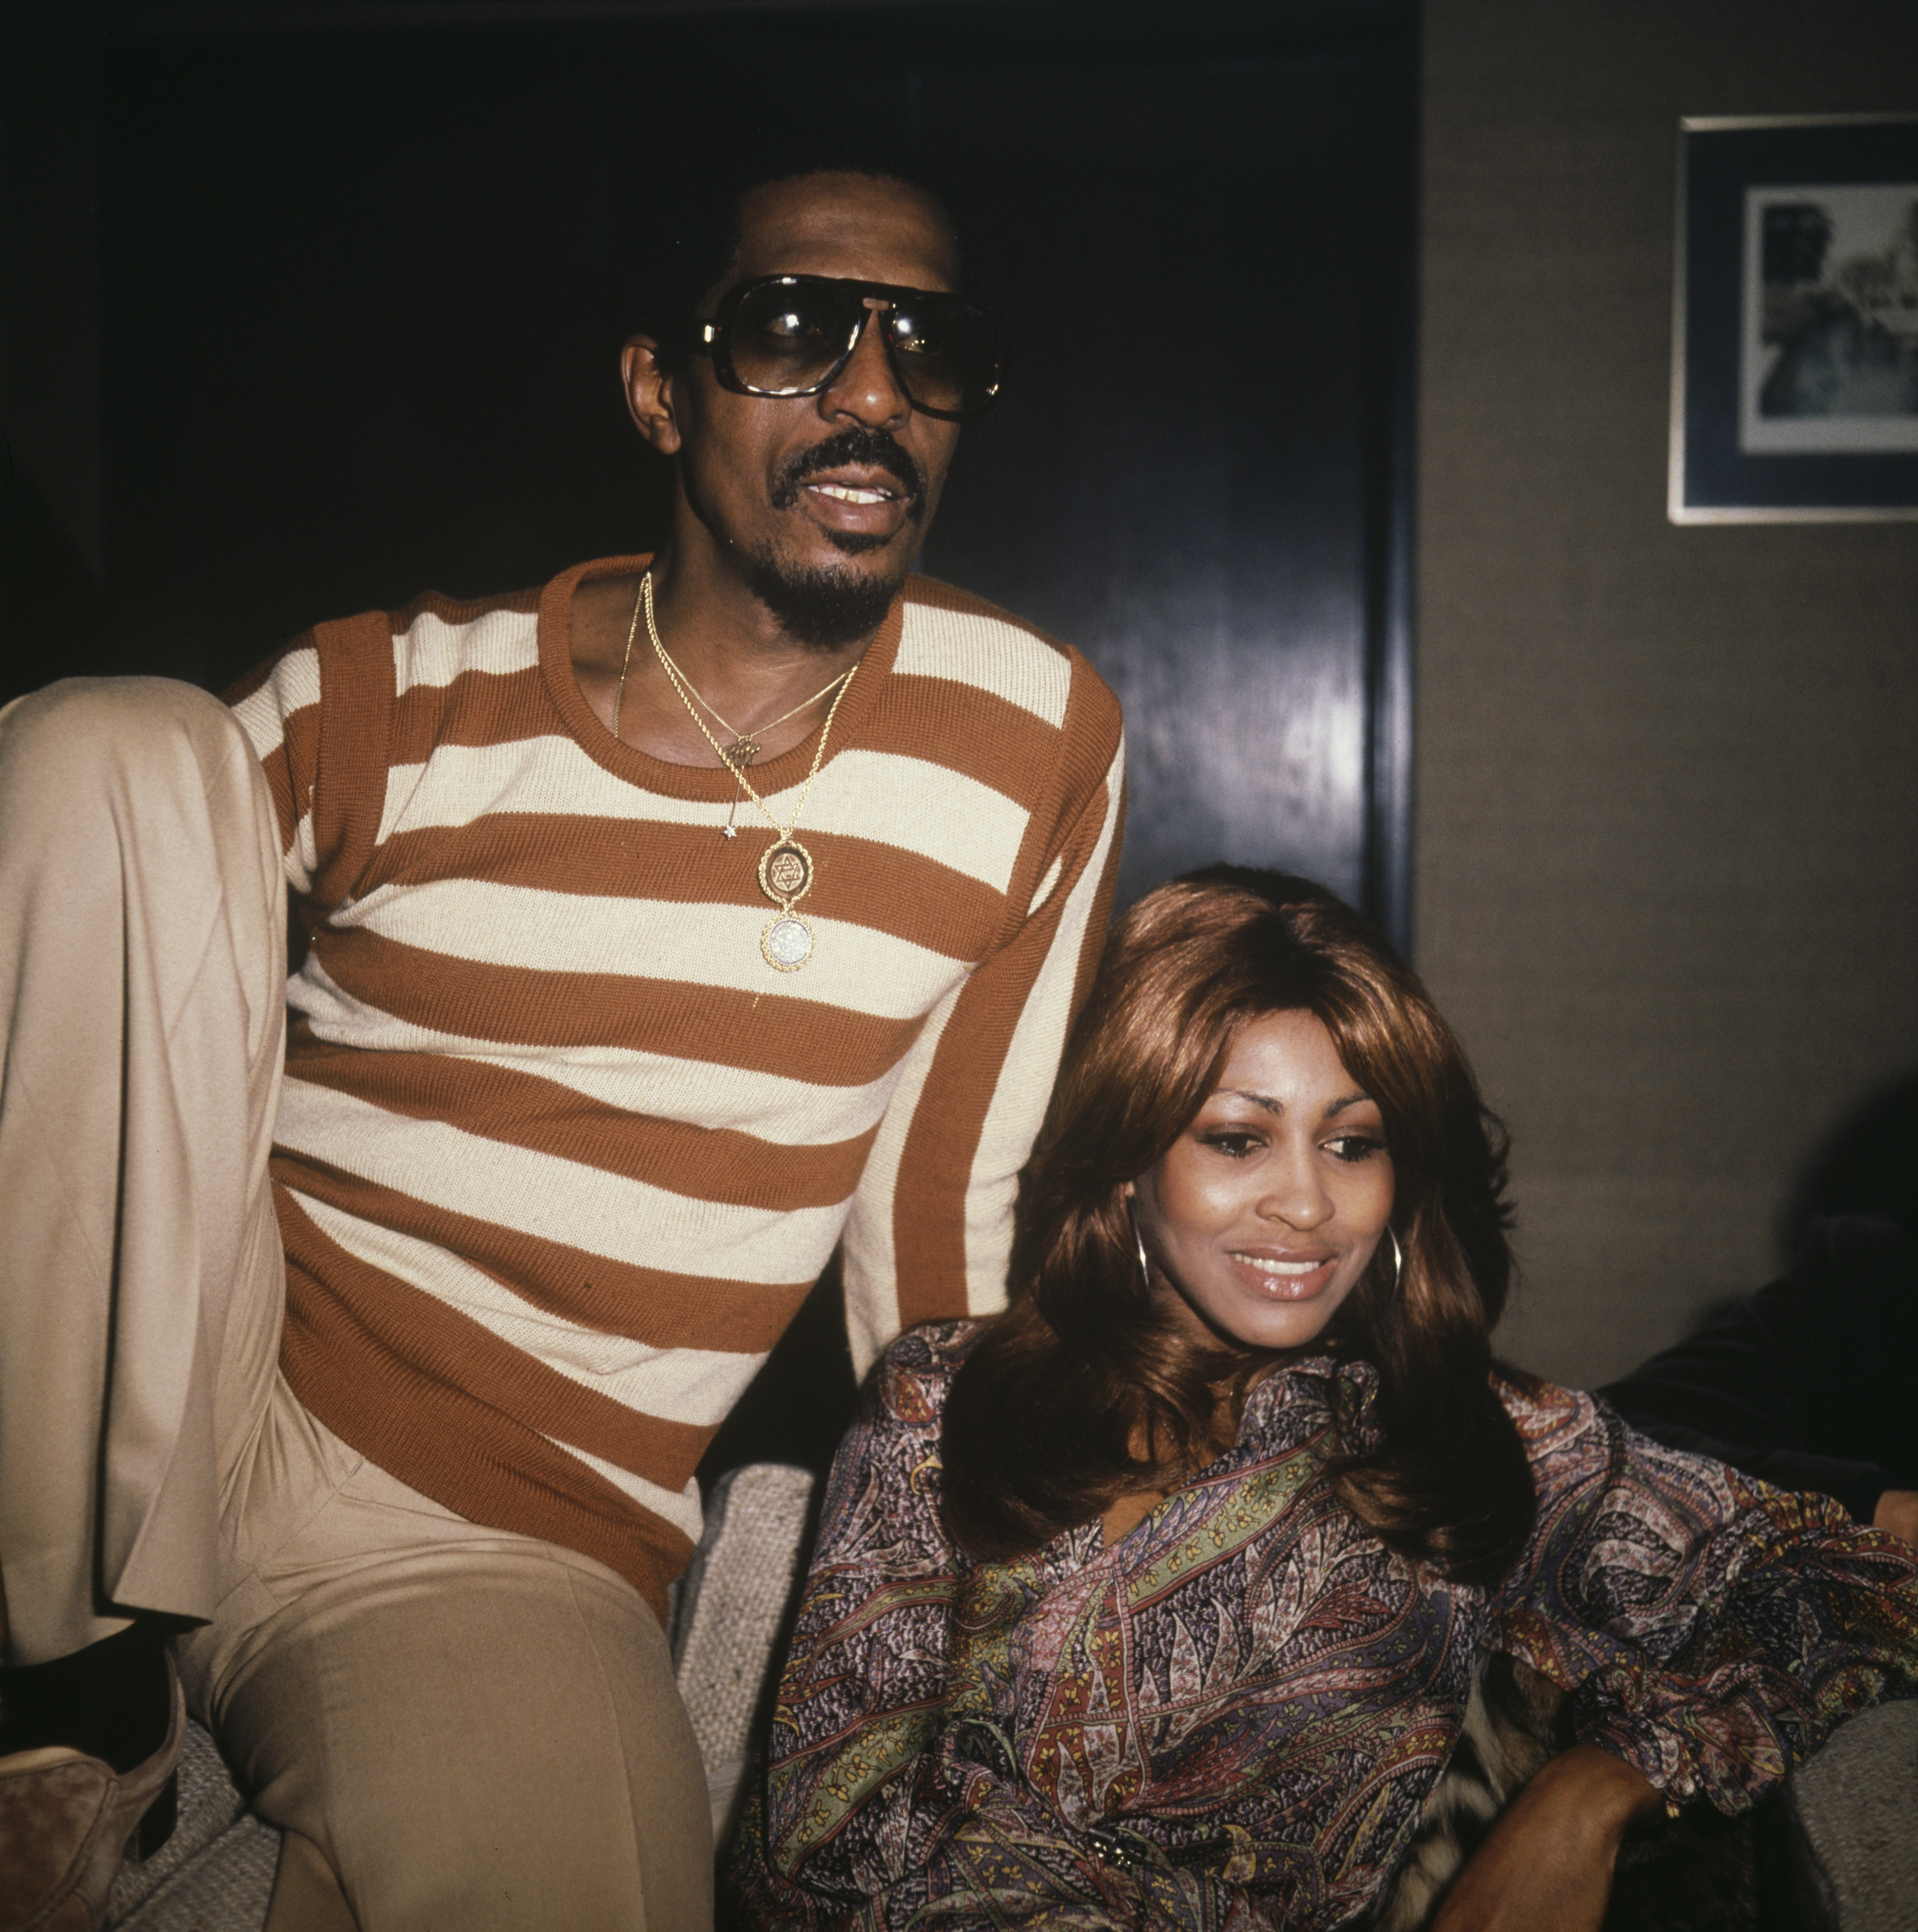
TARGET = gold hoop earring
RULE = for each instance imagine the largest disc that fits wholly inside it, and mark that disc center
(1398, 1258)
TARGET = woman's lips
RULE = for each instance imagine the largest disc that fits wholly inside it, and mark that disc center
(1286, 1277)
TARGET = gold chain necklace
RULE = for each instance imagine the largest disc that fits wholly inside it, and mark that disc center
(743, 747)
(786, 870)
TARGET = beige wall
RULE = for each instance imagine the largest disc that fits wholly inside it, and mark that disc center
(1667, 778)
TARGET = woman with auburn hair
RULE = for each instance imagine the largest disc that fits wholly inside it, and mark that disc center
(1161, 1598)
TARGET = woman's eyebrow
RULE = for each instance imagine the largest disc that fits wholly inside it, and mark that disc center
(1265, 1100)
(1272, 1106)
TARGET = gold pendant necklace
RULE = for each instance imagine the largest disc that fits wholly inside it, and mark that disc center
(742, 749)
(786, 870)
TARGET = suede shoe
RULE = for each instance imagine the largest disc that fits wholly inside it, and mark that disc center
(66, 1822)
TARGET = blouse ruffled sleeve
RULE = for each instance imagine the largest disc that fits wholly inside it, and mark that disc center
(865, 1681)
(1713, 1630)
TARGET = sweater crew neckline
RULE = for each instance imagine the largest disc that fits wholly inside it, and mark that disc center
(709, 784)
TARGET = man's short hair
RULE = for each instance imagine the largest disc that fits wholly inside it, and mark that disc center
(685, 247)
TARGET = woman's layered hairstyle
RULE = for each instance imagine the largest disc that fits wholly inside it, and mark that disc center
(1083, 1389)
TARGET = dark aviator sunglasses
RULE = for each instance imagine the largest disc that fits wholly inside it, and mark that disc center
(792, 335)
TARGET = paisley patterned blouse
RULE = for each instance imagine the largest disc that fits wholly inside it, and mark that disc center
(1230, 1718)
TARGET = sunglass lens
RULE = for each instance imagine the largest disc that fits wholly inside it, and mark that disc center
(949, 354)
(786, 336)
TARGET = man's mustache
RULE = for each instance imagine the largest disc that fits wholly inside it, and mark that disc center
(872, 446)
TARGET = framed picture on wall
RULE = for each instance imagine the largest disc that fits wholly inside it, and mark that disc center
(1794, 330)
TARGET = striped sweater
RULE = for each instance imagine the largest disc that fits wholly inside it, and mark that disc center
(559, 1153)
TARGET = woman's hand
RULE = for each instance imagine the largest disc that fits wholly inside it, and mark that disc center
(1897, 1512)
(1547, 1865)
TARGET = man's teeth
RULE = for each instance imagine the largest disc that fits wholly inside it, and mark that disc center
(847, 493)
(1265, 1267)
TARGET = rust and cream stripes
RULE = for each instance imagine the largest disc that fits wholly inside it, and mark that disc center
(560, 1152)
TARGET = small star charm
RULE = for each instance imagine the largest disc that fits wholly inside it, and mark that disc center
(731, 831)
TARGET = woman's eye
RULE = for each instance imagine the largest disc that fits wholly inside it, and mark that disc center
(1237, 1145)
(1353, 1147)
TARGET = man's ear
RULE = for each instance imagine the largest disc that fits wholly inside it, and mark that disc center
(649, 394)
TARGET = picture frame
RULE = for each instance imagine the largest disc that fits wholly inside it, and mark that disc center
(1795, 320)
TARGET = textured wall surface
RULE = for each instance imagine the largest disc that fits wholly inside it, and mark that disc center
(1667, 778)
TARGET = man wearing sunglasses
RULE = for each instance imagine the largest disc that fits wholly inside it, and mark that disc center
(671, 928)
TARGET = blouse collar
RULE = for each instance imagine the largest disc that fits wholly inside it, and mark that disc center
(1305, 1398)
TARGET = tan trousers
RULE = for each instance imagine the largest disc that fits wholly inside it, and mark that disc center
(459, 1728)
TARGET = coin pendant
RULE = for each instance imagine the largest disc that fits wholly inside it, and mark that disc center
(785, 872)
(787, 942)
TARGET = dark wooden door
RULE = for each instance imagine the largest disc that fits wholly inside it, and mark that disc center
(1207, 248)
